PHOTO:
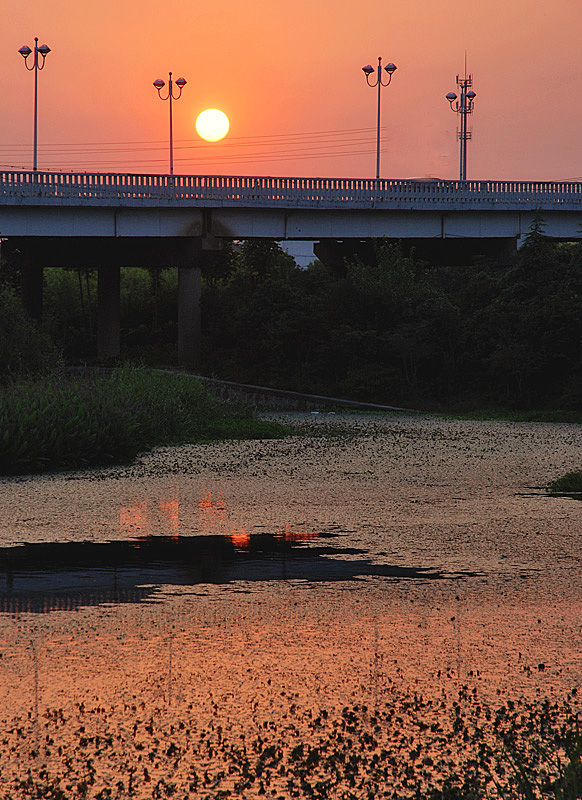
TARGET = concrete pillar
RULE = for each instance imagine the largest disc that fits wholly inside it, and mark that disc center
(189, 292)
(108, 312)
(31, 279)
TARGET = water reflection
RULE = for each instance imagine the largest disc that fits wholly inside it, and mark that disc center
(162, 517)
(50, 576)
(141, 517)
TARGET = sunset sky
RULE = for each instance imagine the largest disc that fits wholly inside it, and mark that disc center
(288, 75)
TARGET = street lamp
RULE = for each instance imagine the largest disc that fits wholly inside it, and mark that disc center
(463, 106)
(368, 70)
(43, 51)
(159, 84)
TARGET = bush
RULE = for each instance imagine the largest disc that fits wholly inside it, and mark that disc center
(570, 482)
(25, 348)
(65, 423)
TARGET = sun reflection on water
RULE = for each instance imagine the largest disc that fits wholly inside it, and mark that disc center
(144, 519)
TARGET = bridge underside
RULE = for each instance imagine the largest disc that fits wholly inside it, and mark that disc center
(108, 254)
(32, 254)
(108, 221)
(452, 252)
(169, 223)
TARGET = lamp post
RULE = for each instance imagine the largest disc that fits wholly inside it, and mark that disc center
(35, 67)
(463, 106)
(159, 84)
(368, 70)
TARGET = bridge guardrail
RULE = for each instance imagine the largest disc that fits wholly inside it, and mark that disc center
(88, 188)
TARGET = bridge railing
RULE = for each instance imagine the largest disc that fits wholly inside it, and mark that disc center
(87, 188)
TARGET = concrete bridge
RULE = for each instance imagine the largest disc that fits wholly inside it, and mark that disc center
(109, 221)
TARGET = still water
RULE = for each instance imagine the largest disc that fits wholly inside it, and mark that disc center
(285, 618)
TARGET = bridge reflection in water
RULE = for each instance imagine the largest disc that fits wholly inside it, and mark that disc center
(43, 577)
(153, 553)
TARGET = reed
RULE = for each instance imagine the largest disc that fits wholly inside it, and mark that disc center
(64, 422)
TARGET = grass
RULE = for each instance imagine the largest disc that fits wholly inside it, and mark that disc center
(503, 415)
(570, 483)
(63, 422)
(483, 414)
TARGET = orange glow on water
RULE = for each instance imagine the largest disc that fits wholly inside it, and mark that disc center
(297, 536)
(171, 510)
(240, 541)
(142, 519)
(150, 518)
(133, 518)
(211, 506)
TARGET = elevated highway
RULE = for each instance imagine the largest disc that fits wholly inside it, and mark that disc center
(111, 220)
(186, 206)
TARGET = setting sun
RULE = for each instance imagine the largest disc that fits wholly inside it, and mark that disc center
(212, 124)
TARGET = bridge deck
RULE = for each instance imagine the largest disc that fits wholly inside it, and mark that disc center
(114, 189)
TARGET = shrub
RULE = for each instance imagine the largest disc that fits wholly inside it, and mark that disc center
(24, 346)
(570, 482)
(60, 422)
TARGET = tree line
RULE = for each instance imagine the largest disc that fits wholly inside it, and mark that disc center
(397, 330)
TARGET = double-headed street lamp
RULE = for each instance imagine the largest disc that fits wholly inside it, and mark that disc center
(463, 106)
(35, 67)
(368, 70)
(159, 84)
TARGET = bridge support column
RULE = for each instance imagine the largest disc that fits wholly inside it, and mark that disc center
(31, 284)
(189, 293)
(108, 313)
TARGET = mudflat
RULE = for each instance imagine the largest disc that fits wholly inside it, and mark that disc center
(243, 618)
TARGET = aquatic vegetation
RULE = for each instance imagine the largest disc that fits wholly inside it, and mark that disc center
(407, 746)
(571, 482)
(67, 422)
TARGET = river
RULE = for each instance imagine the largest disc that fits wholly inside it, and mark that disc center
(204, 621)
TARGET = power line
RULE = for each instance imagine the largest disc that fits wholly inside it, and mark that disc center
(226, 145)
(240, 139)
(273, 148)
(233, 160)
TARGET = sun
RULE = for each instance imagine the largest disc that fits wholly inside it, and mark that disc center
(212, 124)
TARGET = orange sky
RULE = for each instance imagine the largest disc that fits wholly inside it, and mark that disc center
(285, 72)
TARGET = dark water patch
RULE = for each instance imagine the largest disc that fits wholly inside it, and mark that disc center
(49, 576)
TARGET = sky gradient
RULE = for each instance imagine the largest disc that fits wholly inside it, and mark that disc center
(288, 75)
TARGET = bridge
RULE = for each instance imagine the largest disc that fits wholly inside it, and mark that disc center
(108, 221)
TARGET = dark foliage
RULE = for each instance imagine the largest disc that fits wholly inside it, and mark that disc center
(25, 347)
(402, 331)
(397, 330)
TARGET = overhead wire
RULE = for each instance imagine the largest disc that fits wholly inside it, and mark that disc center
(273, 148)
(256, 137)
(222, 145)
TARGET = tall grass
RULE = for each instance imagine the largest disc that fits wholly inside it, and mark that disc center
(63, 422)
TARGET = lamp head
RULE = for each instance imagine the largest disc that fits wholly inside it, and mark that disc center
(451, 97)
(25, 51)
(44, 50)
(471, 95)
(390, 68)
(159, 84)
(181, 82)
(368, 69)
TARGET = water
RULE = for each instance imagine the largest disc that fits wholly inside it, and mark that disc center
(250, 598)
